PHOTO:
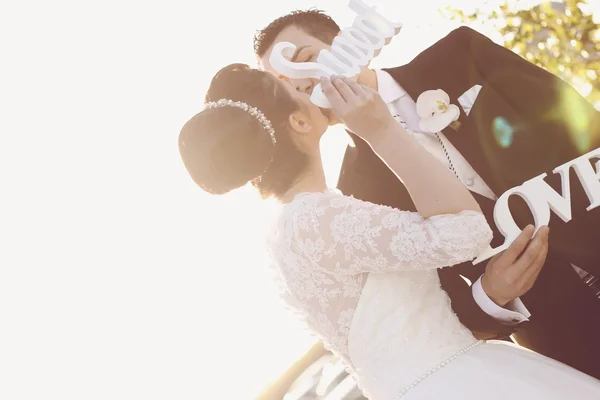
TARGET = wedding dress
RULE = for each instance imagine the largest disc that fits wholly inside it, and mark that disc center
(363, 277)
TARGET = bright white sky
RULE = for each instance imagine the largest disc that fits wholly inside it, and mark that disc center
(119, 279)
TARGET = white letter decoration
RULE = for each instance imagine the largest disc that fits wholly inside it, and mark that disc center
(351, 50)
(542, 199)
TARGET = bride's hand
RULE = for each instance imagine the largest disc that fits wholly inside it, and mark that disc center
(361, 108)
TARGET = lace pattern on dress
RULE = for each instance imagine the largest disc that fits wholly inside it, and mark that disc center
(325, 244)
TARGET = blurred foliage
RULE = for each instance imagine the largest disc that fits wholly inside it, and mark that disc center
(562, 37)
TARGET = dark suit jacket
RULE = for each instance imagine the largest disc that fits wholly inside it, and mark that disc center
(524, 122)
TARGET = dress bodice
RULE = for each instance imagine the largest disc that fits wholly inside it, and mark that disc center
(403, 327)
(336, 254)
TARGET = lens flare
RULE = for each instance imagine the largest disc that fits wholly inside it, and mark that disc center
(577, 120)
(503, 132)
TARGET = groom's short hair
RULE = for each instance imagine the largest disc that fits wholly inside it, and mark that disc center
(314, 22)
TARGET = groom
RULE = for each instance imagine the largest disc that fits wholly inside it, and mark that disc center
(517, 121)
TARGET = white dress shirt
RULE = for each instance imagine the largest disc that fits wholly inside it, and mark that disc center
(401, 104)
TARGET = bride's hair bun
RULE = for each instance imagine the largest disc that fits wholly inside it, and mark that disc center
(226, 147)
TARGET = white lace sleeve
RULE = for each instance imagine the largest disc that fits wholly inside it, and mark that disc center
(349, 236)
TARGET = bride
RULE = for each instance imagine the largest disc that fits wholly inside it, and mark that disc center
(361, 275)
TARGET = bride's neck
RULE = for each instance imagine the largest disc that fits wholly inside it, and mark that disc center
(312, 180)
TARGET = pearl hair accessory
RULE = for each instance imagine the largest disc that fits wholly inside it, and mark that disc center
(255, 112)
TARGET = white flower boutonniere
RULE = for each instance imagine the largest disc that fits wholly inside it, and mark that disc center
(436, 112)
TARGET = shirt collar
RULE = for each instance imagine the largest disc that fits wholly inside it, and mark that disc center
(388, 88)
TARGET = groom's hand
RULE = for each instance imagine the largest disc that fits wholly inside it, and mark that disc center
(513, 272)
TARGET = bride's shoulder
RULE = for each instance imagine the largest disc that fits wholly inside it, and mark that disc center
(304, 197)
(334, 199)
(305, 211)
(306, 201)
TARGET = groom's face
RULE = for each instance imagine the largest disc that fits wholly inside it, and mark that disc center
(307, 50)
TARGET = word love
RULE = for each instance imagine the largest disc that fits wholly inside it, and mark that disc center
(541, 198)
(352, 49)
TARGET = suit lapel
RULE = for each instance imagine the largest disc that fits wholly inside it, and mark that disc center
(467, 140)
